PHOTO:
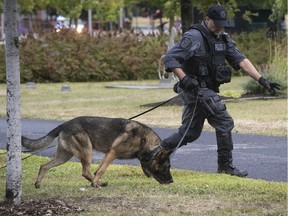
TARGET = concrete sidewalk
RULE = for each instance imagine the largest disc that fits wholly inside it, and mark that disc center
(265, 157)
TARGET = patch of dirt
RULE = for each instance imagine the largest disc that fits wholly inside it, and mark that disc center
(47, 207)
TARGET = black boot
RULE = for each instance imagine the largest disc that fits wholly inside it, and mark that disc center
(225, 165)
(225, 147)
(231, 170)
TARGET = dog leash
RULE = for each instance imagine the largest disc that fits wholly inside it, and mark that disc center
(31, 154)
(161, 104)
(155, 107)
(186, 131)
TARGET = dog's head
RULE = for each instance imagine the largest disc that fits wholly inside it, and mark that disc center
(158, 166)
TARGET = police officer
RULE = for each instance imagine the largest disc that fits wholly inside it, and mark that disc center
(198, 60)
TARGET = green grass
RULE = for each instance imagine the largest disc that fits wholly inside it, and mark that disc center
(130, 192)
(48, 102)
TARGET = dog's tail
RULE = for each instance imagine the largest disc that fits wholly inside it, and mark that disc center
(37, 144)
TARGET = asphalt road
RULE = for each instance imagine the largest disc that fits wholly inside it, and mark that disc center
(264, 157)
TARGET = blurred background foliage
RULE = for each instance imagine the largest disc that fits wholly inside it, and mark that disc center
(73, 57)
(69, 56)
(124, 55)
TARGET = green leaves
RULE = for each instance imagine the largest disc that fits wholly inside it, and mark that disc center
(279, 10)
(69, 56)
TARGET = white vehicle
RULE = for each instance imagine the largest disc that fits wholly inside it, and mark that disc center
(64, 22)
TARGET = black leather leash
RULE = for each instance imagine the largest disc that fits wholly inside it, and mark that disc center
(186, 131)
(161, 104)
(149, 110)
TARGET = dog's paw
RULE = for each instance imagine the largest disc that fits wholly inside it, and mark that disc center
(103, 184)
(37, 185)
(99, 184)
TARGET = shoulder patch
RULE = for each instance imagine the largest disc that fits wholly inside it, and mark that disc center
(187, 43)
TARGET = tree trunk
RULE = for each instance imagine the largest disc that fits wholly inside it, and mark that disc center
(14, 171)
(186, 14)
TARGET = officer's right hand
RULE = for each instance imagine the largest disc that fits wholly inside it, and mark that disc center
(189, 83)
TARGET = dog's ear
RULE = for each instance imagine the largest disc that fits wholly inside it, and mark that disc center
(162, 155)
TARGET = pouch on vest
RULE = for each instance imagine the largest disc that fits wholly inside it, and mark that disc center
(223, 74)
(203, 69)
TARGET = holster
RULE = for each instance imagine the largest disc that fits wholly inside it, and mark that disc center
(211, 102)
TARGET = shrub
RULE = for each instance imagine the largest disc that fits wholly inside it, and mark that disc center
(254, 46)
(69, 56)
(275, 70)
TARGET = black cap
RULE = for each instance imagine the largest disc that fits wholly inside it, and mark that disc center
(218, 14)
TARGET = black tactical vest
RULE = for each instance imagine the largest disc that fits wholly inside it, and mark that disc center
(210, 68)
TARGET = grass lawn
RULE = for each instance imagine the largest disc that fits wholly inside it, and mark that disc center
(46, 101)
(130, 192)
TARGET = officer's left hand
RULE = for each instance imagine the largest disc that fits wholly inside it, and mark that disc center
(271, 86)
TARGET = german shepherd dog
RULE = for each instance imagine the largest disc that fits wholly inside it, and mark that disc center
(116, 137)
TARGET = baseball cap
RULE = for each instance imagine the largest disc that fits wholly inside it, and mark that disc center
(218, 14)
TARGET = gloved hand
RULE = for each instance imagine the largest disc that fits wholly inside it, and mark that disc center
(176, 87)
(190, 84)
(271, 86)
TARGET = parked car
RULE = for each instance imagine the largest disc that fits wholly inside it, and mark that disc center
(64, 23)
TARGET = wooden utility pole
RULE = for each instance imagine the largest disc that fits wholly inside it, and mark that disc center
(186, 14)
(14, 171)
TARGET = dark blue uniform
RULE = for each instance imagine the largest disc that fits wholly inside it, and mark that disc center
(197, 58)
(192, 44)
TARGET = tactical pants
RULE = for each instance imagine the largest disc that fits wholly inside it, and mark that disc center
(218, 118)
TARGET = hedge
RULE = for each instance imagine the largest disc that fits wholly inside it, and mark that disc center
(69, 56)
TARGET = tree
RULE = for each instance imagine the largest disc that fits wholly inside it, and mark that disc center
(108, 10)
(184, 8)
(14, 171)
(279, 10)
(257, 4)
(186, 14)
(171, 9)
(68, 8)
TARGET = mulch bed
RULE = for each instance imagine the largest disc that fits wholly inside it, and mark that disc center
(47, 207)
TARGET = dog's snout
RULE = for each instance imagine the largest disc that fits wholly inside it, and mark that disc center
(169, 181)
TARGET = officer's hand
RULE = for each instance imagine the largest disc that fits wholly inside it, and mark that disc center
(271, 86)
(190, 84)
(176, 87)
